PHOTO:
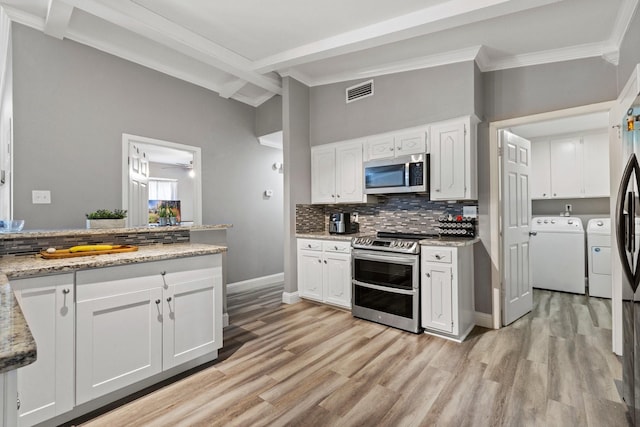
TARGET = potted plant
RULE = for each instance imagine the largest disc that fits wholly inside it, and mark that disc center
(163, 215)
(105, 218)
(172, 217)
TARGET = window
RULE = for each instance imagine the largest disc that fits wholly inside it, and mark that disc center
(163, 189)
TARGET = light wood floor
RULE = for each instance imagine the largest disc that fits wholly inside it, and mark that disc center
(312, 365)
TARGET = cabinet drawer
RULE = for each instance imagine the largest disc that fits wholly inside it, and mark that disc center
(437, 255)
(334, 246)
(310, 245)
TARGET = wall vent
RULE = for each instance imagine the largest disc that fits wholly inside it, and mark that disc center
(359, 91)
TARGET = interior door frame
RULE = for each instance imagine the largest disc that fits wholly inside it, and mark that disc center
(495, 198)
(128, 139)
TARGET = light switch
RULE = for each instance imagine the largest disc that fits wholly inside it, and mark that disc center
(41, 197)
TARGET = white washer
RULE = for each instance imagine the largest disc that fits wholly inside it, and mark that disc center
(599, 248)
(557, 254)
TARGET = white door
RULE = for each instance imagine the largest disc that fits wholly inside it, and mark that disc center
(566, 167)
(323, 174)
(596, 165)
(516, 224)
(310, 274)
(46, 387)
(349, 173)
(118, 342)
(138, 214)
(337, 279)
(6, 138)
(190, 310)
(448, 165)
(411, 143)
(540, 170)
(437, 298)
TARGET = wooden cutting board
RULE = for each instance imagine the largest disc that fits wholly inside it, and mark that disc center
(64, 253)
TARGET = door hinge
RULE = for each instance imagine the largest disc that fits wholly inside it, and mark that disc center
(499, 151)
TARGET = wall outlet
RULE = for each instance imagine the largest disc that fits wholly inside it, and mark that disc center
(41, 197)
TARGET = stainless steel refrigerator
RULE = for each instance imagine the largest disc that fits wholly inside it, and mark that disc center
(627, 219)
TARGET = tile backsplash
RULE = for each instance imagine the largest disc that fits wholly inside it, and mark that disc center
(409, 213)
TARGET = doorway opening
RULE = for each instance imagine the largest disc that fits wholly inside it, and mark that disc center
(161, 182)
(498, 210)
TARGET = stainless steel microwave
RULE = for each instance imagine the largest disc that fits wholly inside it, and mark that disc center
(405, 174)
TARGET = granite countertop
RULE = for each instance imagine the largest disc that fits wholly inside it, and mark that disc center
(17, 346)
(110, 231)
(451, 241)
(324, 235)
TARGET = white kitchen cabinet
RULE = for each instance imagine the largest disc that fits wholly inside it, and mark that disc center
(395, 144)
(566, 167)
(447, 299)
(137, 320)
(540, 170)
(8, 399)
(336, 173)
(324, 271)
(46, 387)
(596, 165)
(453, 160)
(575, 166)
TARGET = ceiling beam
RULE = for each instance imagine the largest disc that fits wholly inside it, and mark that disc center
(57, 20)
(229, 89)
(148, 24)
(439, 17)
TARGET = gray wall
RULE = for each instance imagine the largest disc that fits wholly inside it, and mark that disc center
(400, 100)
(6, 113)
(71, 105)
(297, 169)
(269, 116)
(629, 51)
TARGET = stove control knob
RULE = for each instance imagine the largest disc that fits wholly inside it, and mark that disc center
(539, 221)
(599, 223)
(546, 221)
(570, 222)
(553, 221)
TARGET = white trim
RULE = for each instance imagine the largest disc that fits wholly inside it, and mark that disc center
(127, 139)
(257, 283)
(229, 89)
(484, 319)
(494, 191)
(57, 20)
(273, 140)
(301, 76)
(290, 297)
(549, 56)
(625, 14)
(225, 320)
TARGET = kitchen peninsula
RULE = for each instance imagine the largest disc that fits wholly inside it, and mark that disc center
(163, 304)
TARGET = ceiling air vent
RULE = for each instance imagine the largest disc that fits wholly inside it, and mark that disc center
(359, 91)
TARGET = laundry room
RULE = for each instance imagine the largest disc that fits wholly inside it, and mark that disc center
(570, 204)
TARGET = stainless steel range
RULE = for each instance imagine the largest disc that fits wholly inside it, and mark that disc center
(386, 279)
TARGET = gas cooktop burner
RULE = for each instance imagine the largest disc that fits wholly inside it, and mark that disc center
(406, 243)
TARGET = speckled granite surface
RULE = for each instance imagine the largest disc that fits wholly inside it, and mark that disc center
(324, 235)
(438, 241)
(443, 241)
(97, 232)
(17, 346)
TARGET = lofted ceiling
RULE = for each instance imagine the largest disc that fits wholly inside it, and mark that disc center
(241, 48)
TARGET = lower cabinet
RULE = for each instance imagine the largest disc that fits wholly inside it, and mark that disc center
(324, 271)
(46, 387)
(446, 292)
(138, 320)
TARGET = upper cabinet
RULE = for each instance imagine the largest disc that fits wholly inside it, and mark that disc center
(336, 173)
(574, 166)
(395, 144)
(453, 159)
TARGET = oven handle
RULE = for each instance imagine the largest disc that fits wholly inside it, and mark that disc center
(409, 259)
(384, 288)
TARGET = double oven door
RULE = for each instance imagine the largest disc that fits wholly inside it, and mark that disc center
(386, 288)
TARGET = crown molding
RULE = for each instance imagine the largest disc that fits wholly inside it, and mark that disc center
(298, 75)
(57, 20)
(546, 57)
(623, 20)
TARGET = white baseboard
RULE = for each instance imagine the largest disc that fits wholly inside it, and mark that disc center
(290, 297)
(257, 283)
(484, 319)
(225, 320)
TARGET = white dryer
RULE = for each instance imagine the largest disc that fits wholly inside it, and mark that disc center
(599, 249)
(557, 254)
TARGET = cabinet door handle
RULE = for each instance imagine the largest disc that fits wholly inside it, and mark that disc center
(338, 195)
(336, 248)
(169, 299)
(398, 148)
(438, 256)
(309, 246)
(320, 261)
(65, 291)
(333, 195)
(163, 273)
(390, 148)
(325, 261)
(158, 302)
(428, 275)
(18, 403)
(437, 190)
(554, 194)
